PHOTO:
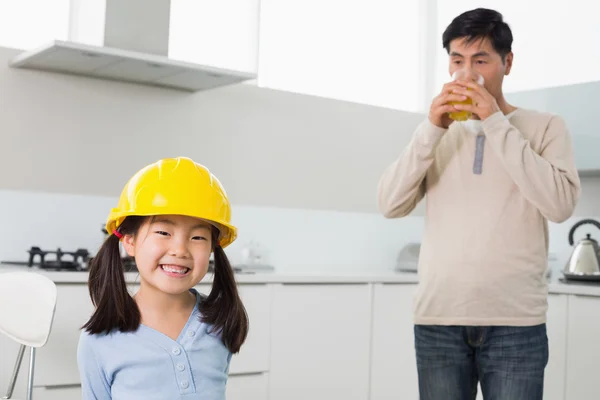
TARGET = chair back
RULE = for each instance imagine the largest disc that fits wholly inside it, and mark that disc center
(27, 306)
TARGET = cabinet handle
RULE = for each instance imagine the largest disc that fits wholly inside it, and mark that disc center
(247, 373)
(594, 296)
(57, 387)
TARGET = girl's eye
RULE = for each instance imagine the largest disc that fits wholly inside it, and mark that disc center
(199, 238)
(163, 233)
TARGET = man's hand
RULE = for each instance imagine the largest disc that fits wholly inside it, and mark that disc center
(484, 104)
(438, 112)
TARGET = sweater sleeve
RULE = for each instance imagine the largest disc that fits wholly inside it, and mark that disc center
(402, 185)
(94, 384)
(549, 180)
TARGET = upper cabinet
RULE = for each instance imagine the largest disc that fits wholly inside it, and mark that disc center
(578, 105)
(364, 51)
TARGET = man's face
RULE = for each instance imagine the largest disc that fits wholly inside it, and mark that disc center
(479, 56)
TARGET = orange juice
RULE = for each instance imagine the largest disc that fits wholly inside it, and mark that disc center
(464, 74)
(462, 115)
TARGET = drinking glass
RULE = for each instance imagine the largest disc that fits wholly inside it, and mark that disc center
(464, 74)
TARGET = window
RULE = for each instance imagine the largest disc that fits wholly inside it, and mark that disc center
(27, 24)
(553, 45)
(364, 51)
(221, 34)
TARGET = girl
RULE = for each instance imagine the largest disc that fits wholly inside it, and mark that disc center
(168, 341)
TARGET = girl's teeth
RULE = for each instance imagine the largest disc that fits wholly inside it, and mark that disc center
(175, 270)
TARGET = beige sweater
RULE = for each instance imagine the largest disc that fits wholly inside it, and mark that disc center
(484, 251)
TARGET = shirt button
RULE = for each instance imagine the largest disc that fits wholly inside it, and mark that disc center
(176, 351)
(185, 384)
(180, 367)
(191, 333)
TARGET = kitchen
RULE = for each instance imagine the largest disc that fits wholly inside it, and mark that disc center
(69, 142)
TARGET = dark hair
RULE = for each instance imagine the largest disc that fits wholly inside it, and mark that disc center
(223, 308)
(116, 309)
(480, 23)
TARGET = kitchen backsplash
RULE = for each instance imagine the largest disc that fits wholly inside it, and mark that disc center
(295, 240)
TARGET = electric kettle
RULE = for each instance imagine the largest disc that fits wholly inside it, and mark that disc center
(584, 263)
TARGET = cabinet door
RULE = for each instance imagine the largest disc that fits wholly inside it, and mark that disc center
(247, 387)
(56, 362)
(583, 348)
(320, 342)
(254, 355)
(554, 380)
(394, 365)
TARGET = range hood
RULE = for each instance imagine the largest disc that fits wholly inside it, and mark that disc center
(134, 48)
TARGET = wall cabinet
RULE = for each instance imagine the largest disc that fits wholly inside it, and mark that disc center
(577, 105)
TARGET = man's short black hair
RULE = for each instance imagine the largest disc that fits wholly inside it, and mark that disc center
(477, 24)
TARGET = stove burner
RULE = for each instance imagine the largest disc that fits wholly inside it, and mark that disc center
(77, 260)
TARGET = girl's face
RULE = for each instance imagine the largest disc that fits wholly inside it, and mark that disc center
(171, 252)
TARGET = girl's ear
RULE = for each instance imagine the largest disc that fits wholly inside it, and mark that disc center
(129, 245)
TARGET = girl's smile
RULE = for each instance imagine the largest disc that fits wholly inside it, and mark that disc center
(173, 270)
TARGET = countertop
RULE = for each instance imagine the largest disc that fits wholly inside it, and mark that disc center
(554, 287)
(133, 277)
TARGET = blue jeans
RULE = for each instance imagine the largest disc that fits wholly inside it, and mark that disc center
(507, 361)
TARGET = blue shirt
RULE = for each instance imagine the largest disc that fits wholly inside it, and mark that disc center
(148, 365)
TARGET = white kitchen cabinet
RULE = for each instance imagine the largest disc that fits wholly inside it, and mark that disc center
(254, 354)
(583, 348)
(576, 104)
(393, 360)
(320, 339)
(247, 387)
(57, 393)
(56, 362)
(556, 326)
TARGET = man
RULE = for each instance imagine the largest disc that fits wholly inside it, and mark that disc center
(492, 184)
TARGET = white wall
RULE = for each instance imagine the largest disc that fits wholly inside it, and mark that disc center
(269, 148)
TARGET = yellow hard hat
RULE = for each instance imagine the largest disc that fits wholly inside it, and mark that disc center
(177, 186)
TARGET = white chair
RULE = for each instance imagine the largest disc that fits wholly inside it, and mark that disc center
(27, 305)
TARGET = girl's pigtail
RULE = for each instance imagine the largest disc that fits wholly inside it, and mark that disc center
(223, 308)
(115, 308)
